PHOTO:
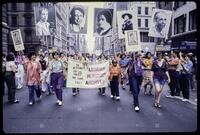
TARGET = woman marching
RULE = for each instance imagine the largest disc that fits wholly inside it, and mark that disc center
(33, 77)
(135, 73)
(159, 75)
(115, 74)
(147, 64)
(10, 71)
(57, 77)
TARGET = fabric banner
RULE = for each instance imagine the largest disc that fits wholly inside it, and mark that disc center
(87, 74)
(17, 40)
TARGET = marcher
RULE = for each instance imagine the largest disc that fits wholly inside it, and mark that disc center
(57, 77)
(102, 58)
(135, 72)
(20, 70)
(115, 74)
(123, 65)
(75, 91)
(11, 69)
(44, 73)
(33, 77)
(186, 71)
(174, 75)
(159, 75)
(147, 64)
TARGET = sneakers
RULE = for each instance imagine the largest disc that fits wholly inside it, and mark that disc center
(74, 94)
(117, 98)
(59, 102)
(185, 100)
(30, 103)
(103, 94)
(15, 101)
(169, 96)
(111, 96)
(137, 109)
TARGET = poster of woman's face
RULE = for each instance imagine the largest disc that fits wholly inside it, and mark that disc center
(44, 19)
(126, 21)
(160, 22)
(103, 20)
(77, 19)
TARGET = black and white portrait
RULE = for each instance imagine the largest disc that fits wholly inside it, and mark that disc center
(16, 37)
(132, 38)
(103, 22)
(44, 19)
(126, 21)
(78, 19)
(17, 40)
(160, 23)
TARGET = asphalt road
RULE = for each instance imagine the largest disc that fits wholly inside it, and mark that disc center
(90, 112)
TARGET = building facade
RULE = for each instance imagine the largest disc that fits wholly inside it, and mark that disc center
(144, 11)
(184, 28)
(5, 29)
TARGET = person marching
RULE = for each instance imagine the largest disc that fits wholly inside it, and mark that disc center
(135, 78)
(102, 58)
(115, 74)
(33, 77)
(57, 77)
(9, 75)
(147, 64)
(159, 75)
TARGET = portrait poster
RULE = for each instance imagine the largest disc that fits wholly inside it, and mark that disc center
(17, 40)
(77, 19)
(103, 22)
(45, 20)
(126, 20)
(160, 23)
(132, 40)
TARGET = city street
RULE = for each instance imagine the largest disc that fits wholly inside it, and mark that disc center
(90, 112)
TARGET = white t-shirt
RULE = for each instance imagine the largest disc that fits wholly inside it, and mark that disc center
(11, 66)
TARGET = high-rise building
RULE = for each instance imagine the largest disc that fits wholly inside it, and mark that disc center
(184, 28)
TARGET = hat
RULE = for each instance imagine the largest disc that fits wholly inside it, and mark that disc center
(129, 15)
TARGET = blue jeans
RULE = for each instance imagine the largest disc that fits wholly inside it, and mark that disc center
(33, 88)
(135, 82)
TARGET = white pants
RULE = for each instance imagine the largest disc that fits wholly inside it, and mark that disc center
(19, 76)
(44, 80)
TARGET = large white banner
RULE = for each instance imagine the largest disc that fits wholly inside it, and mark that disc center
(87, 74)
(160, 22)
(132, 39)
(126, 21)
(17, 40)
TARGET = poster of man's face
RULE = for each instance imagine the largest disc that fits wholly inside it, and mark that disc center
(160, 22)
(44, 20)
(126, 21)
(103, 22)
(77, 19)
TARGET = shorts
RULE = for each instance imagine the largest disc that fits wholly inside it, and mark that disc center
(159, 81)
